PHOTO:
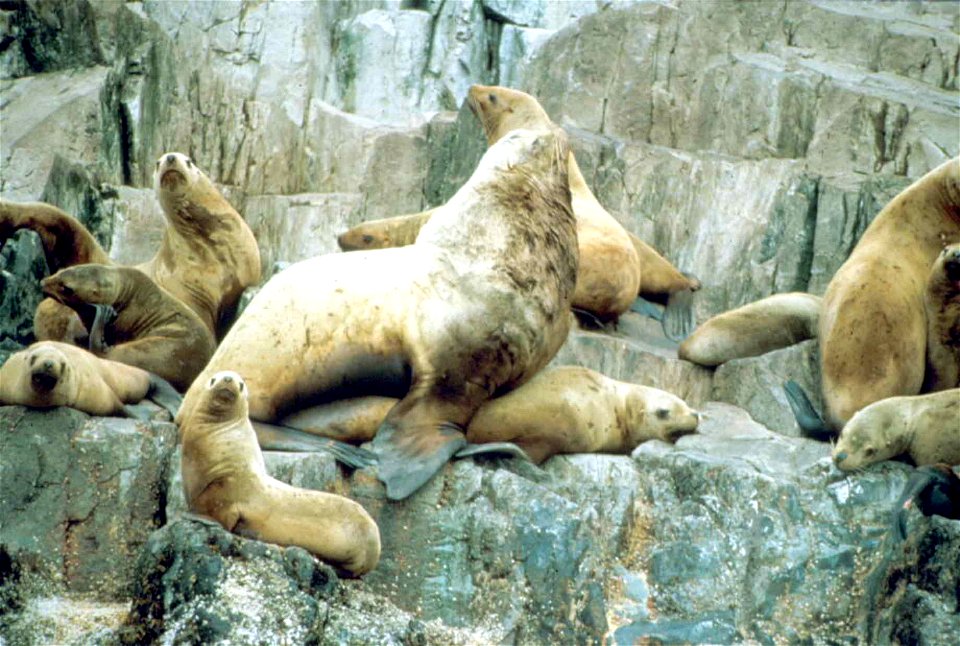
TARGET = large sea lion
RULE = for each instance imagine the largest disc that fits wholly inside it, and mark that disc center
(151, 329)
(475, 307)
(208, 255)
(48, 374)
(925, 428)
(567, 409)
(873, 324)
(224, 478)
(774, 322)
(615, 267)
(942, 302)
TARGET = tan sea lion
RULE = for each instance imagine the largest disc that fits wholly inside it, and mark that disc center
(942, 301)
(54, 322)
(152, 329)
(567, 409)
(925, 428)
(208, 255)
(449, 323)
(873, 324)
(399, 231)
(774, 322)
(224, 478)
(48, 374)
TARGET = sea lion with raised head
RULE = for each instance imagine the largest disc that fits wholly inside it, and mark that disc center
(475, 307)
(151, 329)
(942, 302)
(568, 409)
(48, 374)
(771, 323)
(924, 428)
(208, 255)
(873, 323)
(225, 478)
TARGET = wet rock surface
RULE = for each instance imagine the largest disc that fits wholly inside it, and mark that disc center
(751, 143)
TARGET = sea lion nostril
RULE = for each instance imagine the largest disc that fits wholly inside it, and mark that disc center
(171, 158)
(840, 457)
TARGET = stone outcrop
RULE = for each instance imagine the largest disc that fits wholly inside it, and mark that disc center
(751, 143)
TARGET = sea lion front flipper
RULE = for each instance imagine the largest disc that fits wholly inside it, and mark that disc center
(411, 455)
(646, 308)
(104, 315)
(808, 419)
(164, 395)
(678, 321)
(283, 438)
(497, 448)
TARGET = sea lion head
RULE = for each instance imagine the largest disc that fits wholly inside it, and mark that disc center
(948, 264)
(501, 110)
(47, 370)
(224, 397)
(364, 237)
(869, 436)
(174, 173)
(81, 283)
(656, 413)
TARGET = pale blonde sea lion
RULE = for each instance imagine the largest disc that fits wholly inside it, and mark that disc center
(771, 323)
(925, 428)
(475, 307)
(48, 374)
(942, 301)
(208, 255)
(151, 329)
(873, 323)
(567, 409)
(224, 478)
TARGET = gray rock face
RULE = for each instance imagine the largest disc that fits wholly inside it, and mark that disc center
(751, 143)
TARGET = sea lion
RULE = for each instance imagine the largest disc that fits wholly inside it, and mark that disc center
(568, 409)
(934, 490)
(873, 324)
(386, 233)
(152, 329)
(942, 302)
(208, 255)
(925, 428)
(224, 478)
(476, 306)
(774, 322)
(54, 322)
(48, 374)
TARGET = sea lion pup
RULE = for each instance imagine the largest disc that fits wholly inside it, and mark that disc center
(942, 302)
(476, 306)
(774, 322)
(208, 255)
(151, 329)
(224, 478)
(873, 325)
(936, 491)
(48, 374)
(925, 428)
(568, 409)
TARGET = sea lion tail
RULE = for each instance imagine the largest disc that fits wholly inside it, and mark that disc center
(646, 308)
(678, 321)
(808, 419)
(496, 448)
(272, 437)
(411, 455)
(164, 394)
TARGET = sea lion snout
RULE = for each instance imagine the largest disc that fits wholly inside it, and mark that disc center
(227, 385)
(838, 458)
(45, 374)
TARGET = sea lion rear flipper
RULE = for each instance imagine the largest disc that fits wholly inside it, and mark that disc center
(164, 395)
(104, 315)
(283, 438)
(646, 308)
(497, 448)
(411, 455)
(677, 321)
(808, 419)
(142, 412)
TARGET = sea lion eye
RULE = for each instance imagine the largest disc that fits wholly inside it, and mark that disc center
(493, 98)
(662, 413)
(368, 238)
(212, 381)
(189, 162)
(869, 451)
(33, 360)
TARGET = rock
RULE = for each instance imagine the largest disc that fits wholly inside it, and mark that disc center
(138, 224)
(23, 265)
(517, 46)
(49, 37)
(79, 494)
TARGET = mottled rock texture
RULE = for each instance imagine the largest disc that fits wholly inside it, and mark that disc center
(750, 142)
